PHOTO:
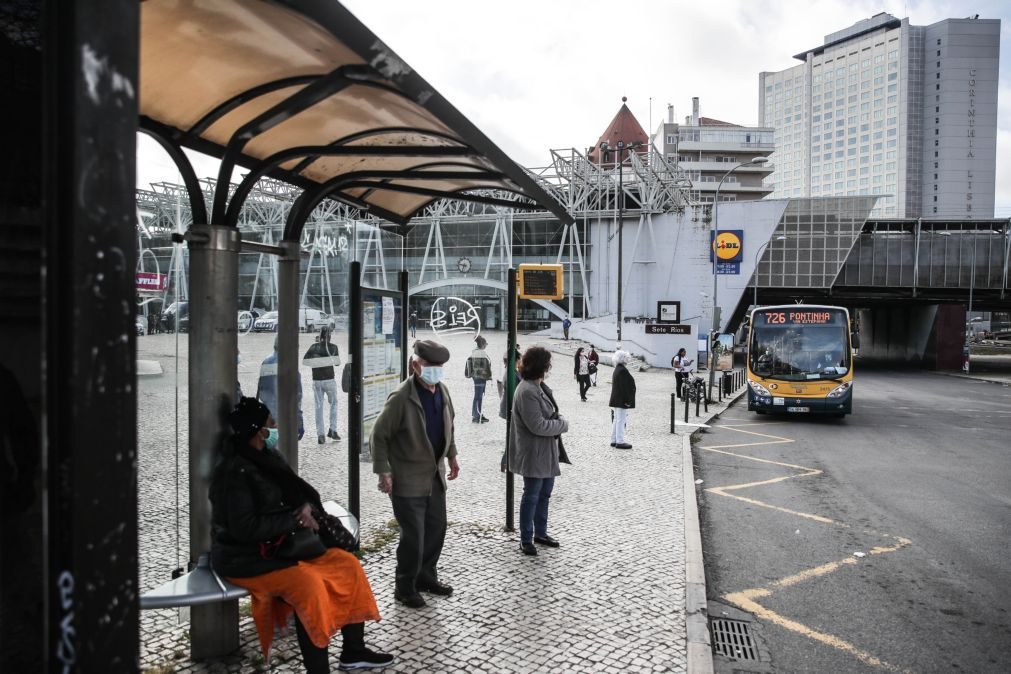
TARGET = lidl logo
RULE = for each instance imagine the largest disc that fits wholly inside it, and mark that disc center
(728, 246)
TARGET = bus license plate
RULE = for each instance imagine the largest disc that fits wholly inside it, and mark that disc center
(798, 409)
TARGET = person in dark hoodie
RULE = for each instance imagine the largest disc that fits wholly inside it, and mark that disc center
(622, 398)
(323, 357)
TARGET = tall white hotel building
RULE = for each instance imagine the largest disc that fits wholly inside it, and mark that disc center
(885, 107)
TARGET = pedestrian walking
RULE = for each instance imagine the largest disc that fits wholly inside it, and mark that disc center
(594, 359)
(323, 357)
(257, 502)
(535, 447)
(622, 398)
(478, 370)
(566, 324)
(152, 323)
(413, 322)
(266, 387)
(581, 372)
(412, 442)
(681, 364)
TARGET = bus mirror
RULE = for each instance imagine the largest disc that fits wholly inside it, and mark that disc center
(855, 340)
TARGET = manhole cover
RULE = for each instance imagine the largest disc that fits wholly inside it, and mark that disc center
(732, 638)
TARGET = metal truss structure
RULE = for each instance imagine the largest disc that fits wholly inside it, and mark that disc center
(650, 185)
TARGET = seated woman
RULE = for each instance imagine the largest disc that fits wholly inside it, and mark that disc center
(257, 499)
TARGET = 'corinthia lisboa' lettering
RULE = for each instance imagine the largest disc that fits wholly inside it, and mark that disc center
(452, 315)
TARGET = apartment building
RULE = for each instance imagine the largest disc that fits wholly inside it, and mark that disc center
(887, 108)
(707, 148)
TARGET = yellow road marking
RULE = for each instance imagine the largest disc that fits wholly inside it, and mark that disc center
(746, 599)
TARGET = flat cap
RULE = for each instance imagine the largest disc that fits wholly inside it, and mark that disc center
(431, 352)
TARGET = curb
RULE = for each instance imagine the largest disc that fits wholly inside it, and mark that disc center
(699, 647)
(971, 377)
(149, 368)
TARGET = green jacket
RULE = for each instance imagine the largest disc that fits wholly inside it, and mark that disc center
(400, 444)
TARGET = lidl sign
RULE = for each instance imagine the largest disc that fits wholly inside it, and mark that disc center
(728, 245)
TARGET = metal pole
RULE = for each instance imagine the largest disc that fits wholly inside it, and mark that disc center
(673, 410)
(621, 215)
(405, 311)
(213, 340)
(684, 392)
(288, 313)
(972, 282)
(510, 388)
(355, 390)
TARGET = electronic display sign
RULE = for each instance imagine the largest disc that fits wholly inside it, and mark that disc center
(540, 282)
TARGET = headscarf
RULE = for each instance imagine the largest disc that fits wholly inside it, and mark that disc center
(247, 418)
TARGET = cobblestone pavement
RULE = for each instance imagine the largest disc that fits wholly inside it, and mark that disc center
(610, 599)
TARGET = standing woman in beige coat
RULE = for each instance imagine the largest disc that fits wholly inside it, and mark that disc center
(534, 447)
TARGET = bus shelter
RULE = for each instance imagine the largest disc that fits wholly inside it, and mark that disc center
(300, 92)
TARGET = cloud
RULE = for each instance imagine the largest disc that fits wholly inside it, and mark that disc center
(550, 74)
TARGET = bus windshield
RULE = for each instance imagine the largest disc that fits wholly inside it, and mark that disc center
(799, 344)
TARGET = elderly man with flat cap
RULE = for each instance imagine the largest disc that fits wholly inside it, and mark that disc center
(412, 441)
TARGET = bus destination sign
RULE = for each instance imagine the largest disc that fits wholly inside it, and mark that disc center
(803, 317)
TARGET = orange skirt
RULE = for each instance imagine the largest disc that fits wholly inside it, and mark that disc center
(327, 593)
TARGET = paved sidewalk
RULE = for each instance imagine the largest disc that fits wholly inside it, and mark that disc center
(610, 599)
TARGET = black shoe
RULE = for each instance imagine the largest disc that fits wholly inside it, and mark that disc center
(333, 434)
(321, 439)
(436, 587)
(583, 399)
(528, 549)
(546, 541)
(412, 600)
(475, 420)
(623, 445)
(365, 659)
(614, 444)
(484, 419)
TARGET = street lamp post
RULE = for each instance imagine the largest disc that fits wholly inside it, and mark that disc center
(755, 161)
(621, 147)
(757, 255)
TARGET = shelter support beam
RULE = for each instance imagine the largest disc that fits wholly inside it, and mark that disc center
(287, 352)
(213, 341)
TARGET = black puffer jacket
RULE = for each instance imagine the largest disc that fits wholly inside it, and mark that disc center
(622, 388)
(248, 509)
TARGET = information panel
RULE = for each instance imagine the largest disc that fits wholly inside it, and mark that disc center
(382, 314)
(541, 282)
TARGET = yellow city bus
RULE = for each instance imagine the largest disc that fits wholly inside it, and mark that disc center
(800, 360)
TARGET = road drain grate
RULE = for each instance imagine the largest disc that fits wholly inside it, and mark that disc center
(732, 638)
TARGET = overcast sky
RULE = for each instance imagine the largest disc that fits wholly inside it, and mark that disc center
(535, 76)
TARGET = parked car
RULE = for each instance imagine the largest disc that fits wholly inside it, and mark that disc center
(168, 317)
(246, 320)
(266, 323)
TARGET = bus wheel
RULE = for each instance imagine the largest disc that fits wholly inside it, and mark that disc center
(759, 411)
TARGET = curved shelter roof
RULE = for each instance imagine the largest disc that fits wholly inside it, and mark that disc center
(304, 92)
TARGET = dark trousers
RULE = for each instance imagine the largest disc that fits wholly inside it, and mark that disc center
(534, 507)
(679, 378)
(422, 521)
(584, 384)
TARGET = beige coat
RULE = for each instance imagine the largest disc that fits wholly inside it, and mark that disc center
(400, 444)
(533, 445)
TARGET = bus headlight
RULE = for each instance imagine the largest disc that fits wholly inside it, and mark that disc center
(840, 389)
(759, 389)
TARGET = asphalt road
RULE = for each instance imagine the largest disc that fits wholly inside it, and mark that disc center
(917, 480)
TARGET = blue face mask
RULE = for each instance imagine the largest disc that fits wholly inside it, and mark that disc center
(431, 375)
(271, 441)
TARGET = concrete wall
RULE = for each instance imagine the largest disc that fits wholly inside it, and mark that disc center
(915, 336)
(671, 262)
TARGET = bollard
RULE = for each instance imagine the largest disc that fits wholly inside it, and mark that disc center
(719, 385)
(697, 405)
(673, 410)
(705, 401)
(684, 392)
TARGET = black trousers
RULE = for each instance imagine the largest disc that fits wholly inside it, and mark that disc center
(584, 384)
(679, 378)
(422, 521)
